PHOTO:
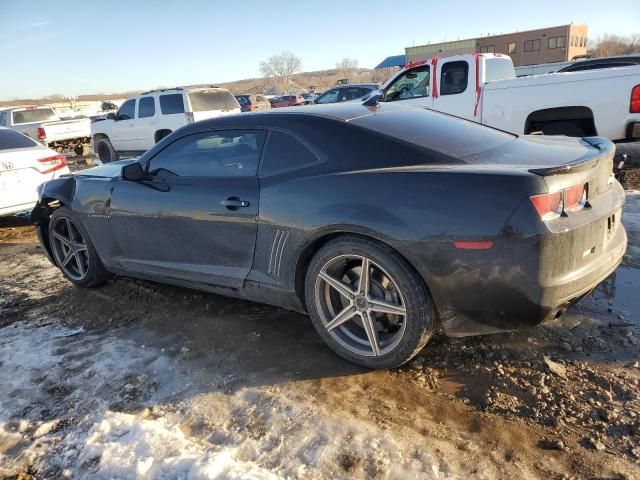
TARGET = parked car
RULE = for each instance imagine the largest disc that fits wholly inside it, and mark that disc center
(287, 101)
(43, 124)
(483, 88)
(384, 224)
(251, 103)
(345, 93)
(602, 62)
(143, 121)
(25, 164)
(309, 97)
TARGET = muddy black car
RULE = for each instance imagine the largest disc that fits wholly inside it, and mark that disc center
(383, 222)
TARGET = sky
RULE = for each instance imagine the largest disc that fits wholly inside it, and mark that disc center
(75, 47)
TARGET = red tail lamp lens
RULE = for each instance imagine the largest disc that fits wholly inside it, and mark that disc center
(548, 204)
(634, 103)
(51, 164)
(573, 197)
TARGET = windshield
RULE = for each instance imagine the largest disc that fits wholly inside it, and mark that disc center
(414, 83)
(208, 100)
(45, 114)
(435, 131)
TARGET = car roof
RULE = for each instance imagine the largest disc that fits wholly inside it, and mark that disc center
(343, 111)
(604, 61)
(346, 85)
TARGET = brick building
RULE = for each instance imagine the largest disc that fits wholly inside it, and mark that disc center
(531, 47)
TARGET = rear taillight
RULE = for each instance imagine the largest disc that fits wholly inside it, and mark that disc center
(41, 134)
(548, 205)
(634, 103)
(575, 197)
(51, 164)
(553, 205)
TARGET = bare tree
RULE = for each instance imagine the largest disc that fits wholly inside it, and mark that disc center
(281, 67)
(346, 67)
(611, 44)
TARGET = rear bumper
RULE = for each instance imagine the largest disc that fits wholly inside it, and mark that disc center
(525, 279)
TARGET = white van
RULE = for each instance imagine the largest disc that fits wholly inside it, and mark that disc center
(143, 121)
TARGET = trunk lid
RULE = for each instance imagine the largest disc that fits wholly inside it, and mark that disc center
(19, 175)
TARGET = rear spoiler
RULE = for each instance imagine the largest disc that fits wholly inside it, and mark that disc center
(607, 150)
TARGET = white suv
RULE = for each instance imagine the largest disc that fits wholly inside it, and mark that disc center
(142, 121)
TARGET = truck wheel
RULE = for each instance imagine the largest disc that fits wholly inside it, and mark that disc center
(105, 151)
(161, 134)
(78, 150)
(563, 128)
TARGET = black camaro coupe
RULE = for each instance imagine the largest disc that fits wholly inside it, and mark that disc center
(383, 222)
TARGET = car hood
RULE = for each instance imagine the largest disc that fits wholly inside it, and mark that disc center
(106, 170)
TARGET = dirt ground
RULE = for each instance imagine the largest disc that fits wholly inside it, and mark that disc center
(140, 380)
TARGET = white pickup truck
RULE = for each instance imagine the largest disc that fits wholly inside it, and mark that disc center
(43, 124)
(483, 88)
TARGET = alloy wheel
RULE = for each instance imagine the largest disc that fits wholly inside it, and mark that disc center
(360, 305)
(70, 248)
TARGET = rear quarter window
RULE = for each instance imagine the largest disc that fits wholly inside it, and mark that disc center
(284, 153)
(10, 139)
(171, 103)
(212, 100)
(454, 77)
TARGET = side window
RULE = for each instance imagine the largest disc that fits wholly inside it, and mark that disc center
(146, 107)
(128, 110)
(330, 97)
(284, 153)
(352, 93)
(3, 118)
(412, 84)
(230, 153)
(454, 77)
(171, 103)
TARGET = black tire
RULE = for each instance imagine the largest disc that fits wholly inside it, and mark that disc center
(105, 151)
(569, 129)
(420, 316)
(92, 273)
(161, 134)
(78, 150)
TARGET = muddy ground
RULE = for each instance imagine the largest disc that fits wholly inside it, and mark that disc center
(140, 380)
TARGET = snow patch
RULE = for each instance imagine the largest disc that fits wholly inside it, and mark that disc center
(156, 449)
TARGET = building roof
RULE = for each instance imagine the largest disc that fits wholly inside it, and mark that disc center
(393, 61)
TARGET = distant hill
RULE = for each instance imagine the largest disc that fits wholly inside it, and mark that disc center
(298, 83)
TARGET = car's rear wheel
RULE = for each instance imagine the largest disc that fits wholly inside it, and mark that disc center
(105, 151)
(73, 250)
(367, 303)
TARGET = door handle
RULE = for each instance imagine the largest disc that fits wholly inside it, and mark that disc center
(233, 203)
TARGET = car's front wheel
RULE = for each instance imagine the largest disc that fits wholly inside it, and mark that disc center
(367, 303)
(73, 250)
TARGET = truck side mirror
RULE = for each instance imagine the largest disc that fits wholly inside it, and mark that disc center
(112, 116)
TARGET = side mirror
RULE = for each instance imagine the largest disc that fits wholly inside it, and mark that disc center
(112, 116)
(373, 99)
(132, 172)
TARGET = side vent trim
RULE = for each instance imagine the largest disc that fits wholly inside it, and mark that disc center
(277, 248)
